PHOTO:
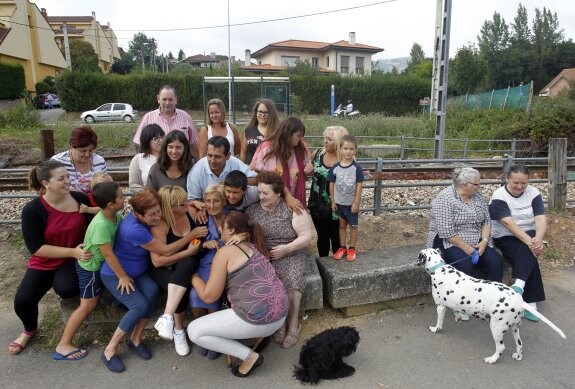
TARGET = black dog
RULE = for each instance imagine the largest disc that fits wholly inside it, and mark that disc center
(321, 356)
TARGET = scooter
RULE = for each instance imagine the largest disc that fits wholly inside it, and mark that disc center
(340, 112)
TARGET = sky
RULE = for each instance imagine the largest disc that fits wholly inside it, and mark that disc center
(201, 27)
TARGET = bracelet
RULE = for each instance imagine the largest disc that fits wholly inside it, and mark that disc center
(485, 240)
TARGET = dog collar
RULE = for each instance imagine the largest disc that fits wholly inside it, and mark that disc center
(434, 268)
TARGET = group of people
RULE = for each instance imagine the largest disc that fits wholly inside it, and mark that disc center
(467, 229)
(205, 226)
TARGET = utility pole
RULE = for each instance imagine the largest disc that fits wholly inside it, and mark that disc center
(442, 65)
(67, 47)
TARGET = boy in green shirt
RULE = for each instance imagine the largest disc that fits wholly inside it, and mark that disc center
(99, 239)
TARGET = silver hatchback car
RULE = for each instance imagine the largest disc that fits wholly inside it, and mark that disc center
(110, 112)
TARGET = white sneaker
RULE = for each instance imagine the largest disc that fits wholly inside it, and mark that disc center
(181, 344)
(165, 327)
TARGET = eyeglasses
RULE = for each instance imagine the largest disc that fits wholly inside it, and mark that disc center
(158, 138)
(263, 113)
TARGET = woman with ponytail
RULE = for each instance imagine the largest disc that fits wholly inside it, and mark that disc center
(258, 300)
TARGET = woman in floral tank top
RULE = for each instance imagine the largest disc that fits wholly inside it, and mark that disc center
(259, 303)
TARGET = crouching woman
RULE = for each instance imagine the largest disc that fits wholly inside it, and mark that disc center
(258, 300)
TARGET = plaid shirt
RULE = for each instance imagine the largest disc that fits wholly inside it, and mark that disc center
(450, 217)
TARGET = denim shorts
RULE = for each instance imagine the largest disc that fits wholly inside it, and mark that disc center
(344, 212)
(89, 281)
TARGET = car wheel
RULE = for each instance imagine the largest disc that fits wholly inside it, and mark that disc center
(89, 119)
(128, 119)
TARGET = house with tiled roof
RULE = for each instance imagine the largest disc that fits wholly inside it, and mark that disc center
(27, 39)
(344, 57)
(560, 83)
(87, 28)
(202, 61)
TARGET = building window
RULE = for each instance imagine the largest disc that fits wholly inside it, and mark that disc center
(289, 61)
(327, 59)
(359, 65)
(315, 62)
(344, 69)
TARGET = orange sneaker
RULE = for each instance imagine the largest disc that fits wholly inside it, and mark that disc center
(339, 253)
(351, 255)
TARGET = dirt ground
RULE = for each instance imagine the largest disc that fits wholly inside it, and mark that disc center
(375, 233)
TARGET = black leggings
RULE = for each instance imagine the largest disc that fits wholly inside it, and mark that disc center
(35, 284)
(327, 232)
(179, 274)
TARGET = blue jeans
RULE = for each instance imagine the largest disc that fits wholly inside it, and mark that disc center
(490, 263)
(140, 303)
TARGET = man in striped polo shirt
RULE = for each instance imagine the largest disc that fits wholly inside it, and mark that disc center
(170, 118)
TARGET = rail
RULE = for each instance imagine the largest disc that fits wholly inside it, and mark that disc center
(378, 171)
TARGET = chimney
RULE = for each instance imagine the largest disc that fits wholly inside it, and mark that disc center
(248, 58)
(94, 14)
(108, 24)
(352, 38)
(213, 55)
(43, 12)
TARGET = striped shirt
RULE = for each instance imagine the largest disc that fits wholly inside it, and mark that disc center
(450, 217)
(521, 209)
(181, 120)
(81, 182)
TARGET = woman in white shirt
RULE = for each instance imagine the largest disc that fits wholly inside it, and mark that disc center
(150, 145)
(217, 125)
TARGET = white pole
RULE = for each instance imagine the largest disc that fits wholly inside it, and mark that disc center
(67, 47)
(230, 108)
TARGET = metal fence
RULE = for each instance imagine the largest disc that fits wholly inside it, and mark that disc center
(380, 175)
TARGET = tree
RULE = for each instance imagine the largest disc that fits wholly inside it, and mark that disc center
(143, 50)
(416, 56)
(181, 55)
(170, 55)
(125, 64)
(493, 39)
(545, 41)
(424, 69)
(467, 70)
(83, 56)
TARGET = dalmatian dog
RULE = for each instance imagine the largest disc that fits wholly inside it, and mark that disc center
(487, 300)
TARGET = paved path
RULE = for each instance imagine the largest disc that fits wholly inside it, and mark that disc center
(396, 351)
(50, 116)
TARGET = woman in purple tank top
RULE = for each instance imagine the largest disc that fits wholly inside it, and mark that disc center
(258, 299)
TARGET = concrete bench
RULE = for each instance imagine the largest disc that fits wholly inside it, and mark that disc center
(376, 279)
(109, 310)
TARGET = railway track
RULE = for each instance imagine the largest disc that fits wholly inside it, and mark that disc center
(17, 179)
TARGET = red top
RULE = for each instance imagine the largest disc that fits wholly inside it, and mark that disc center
(63, 229)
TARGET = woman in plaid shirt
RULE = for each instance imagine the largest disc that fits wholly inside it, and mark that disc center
(460, 224)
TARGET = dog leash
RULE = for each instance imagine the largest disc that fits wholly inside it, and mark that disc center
(442, 263)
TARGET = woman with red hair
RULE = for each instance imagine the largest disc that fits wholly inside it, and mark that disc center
(80, 160)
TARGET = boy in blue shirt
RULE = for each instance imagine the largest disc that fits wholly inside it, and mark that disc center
(345, 185)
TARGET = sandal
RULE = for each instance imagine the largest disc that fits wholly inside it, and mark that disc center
(291, 339)
(280, 334)
(16, 348)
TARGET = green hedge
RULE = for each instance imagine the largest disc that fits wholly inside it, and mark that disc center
(393, 95)
(12, 80)
(390, 94)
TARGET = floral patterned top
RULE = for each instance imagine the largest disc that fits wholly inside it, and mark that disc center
(256, 293)
(319, 183)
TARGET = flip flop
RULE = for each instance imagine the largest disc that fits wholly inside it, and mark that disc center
(61, 357)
